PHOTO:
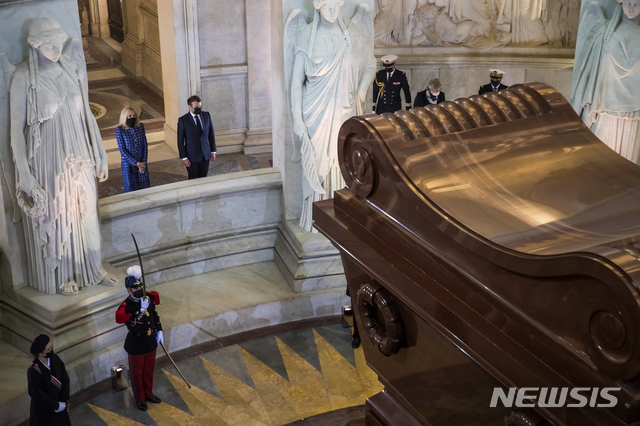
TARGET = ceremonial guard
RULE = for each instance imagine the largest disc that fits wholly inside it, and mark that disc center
(48, 386)
(387, 86)
(495, 85)
(138, 313)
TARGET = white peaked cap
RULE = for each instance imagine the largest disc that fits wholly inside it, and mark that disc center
(497, 72)
(389, 59)
(135, 271)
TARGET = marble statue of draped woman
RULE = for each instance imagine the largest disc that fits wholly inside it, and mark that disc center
(58, 154)
(332, 72)
(607, 76)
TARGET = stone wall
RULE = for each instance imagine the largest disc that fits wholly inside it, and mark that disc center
(223, 53)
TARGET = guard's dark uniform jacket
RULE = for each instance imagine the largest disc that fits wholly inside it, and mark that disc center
(141, 338)
(386, 94)
(47, 388)
(489, 88)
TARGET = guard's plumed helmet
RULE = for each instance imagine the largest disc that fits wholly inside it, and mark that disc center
(134, 272)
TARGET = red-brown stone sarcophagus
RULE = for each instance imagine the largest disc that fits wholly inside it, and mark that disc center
(490, 248)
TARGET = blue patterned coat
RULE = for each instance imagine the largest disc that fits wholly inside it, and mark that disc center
(132, 143)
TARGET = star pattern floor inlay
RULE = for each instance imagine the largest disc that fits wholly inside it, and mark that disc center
(274, 380)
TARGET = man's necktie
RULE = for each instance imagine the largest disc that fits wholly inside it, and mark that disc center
(199, 123)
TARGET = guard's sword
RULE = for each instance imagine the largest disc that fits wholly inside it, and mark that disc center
(144, 289)
(174, 364)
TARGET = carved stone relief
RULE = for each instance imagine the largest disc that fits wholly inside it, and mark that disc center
(476, 23)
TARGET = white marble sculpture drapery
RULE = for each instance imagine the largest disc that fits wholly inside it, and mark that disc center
(433, 26)
(330, 67)
(389, 22)
(607, 76)
(527, 27)
(58, 153)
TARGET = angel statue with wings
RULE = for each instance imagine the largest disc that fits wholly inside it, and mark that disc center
(330, 66)
(606, 76)
(57, 153)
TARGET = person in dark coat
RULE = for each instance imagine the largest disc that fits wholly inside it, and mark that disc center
(431, 96)
(496, 83)
(196, 140)
(388, 85)
(138, 313)
(48, 386)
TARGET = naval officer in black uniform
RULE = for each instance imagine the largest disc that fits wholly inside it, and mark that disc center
(138, 313)
(387, 86)
(496, 83)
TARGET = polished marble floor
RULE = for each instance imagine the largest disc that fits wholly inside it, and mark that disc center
(272, 380)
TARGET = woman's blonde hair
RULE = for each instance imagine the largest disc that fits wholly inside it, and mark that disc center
(123, 117)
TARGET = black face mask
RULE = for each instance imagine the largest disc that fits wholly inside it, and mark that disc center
(49, 354)
(131, 122)
(389, 69)
(495, 83)
(138, 293)
(197, 111)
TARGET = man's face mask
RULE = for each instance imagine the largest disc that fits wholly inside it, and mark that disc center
(389, 68)
(495, 82)
(197, 110)
(138, 293)
(435, 94)
(49, 354)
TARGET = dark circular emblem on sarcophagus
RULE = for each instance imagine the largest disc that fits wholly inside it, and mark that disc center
(380, 318)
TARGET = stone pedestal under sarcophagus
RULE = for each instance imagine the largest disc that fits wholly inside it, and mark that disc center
(489, 246)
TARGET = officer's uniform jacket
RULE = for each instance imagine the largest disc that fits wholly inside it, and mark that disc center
(143, 327)
(386, 94)
(489, 88)
(47, 388)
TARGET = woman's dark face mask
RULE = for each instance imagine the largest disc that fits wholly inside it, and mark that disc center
(49, 354)
(131, 122)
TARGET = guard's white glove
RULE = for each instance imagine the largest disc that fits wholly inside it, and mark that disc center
(144, 305)
(61, 406)
(160, 337)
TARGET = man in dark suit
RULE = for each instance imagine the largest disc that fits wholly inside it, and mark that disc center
(432, 96)
(387, 86)
(196, 140)
(495, 85)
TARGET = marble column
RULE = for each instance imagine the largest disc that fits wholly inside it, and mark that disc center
(141, 46)
(99, 18)
(180, 60)
(133, 37)
(259, 77)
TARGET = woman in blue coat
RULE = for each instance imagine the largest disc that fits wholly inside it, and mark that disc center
(132, 142)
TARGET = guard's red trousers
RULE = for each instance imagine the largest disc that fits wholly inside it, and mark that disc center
(141, 373)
